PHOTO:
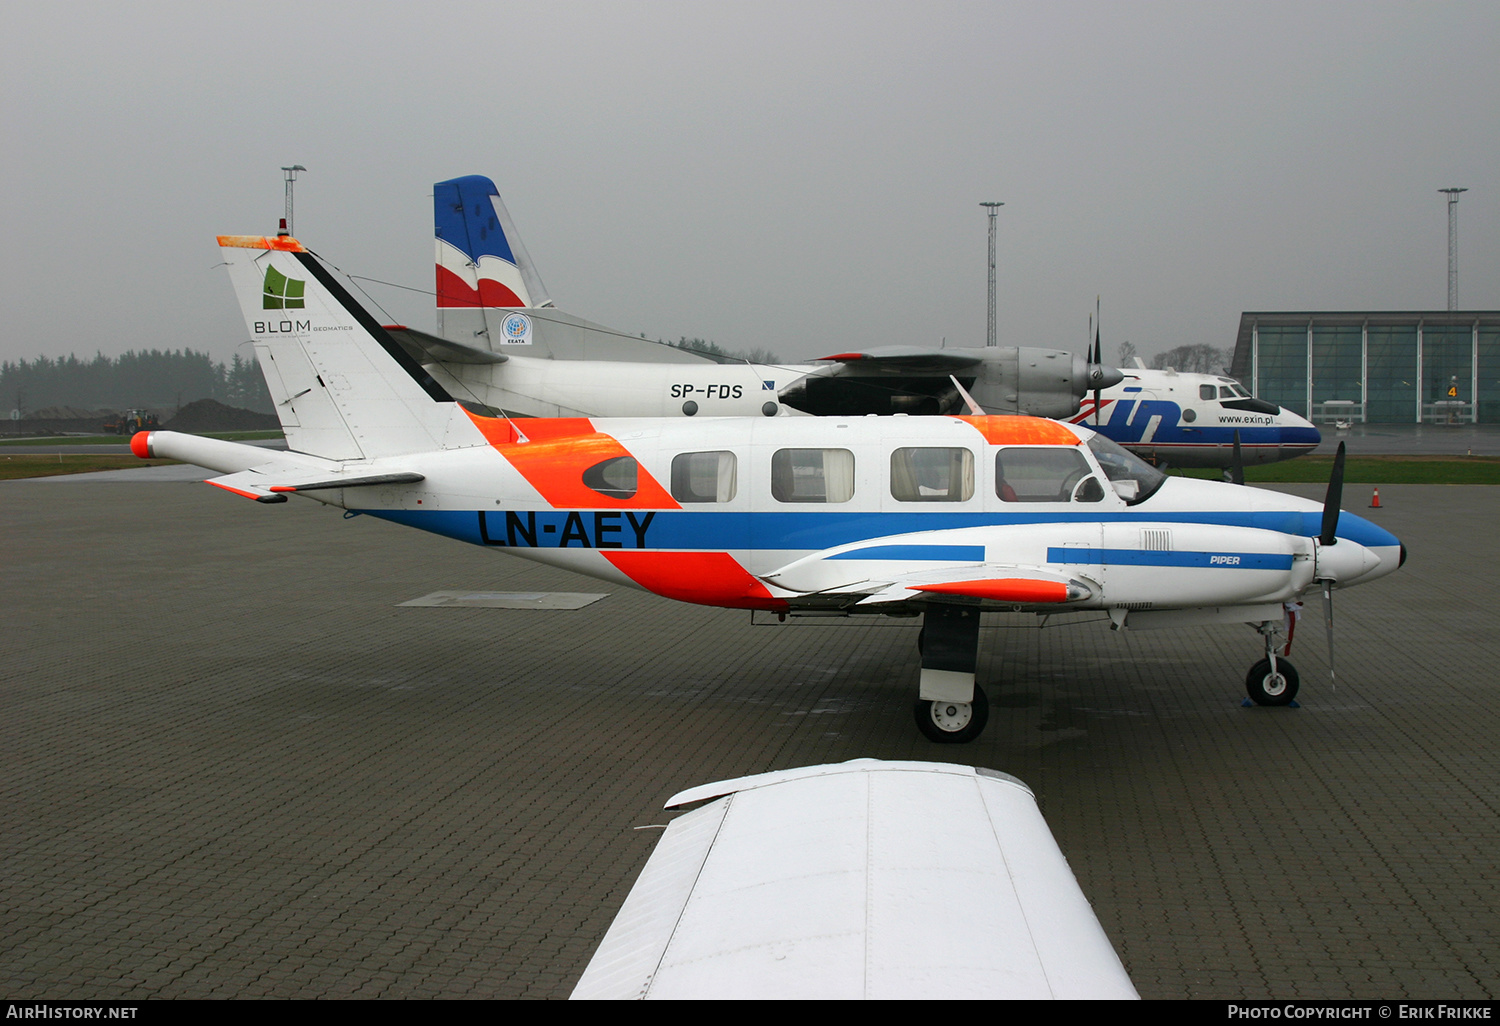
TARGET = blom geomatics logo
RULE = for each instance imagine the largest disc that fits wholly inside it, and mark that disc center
(281, 292)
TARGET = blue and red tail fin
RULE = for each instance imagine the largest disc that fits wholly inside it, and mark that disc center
(481, 263)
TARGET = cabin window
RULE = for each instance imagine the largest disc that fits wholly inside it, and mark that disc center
(812, 475)
(1039, 475)
(932, 475)
(703, 476)
(615, 478)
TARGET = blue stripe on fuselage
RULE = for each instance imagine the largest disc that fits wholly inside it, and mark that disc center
(1140, 557)
(945, 553)
(809, 531)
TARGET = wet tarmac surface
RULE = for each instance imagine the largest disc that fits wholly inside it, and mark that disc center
(236, 765)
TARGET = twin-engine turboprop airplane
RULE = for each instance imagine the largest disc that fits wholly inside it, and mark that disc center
(556, 365)
(1192, 420)
(943, 517)
(504, 344)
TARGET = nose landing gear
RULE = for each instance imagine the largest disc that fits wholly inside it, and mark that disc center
(1273, 680)
(1271, 683)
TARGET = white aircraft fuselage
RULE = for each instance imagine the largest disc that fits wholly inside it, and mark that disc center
(1190, 420)
(940, 516)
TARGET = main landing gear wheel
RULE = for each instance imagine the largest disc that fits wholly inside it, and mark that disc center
(1267, 688)
(953, 723)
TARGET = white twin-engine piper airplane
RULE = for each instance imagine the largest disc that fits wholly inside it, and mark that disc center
(944, 517)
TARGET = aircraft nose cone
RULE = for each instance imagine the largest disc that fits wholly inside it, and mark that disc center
(1104, 376)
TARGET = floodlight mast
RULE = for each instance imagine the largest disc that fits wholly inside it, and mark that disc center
(291, 176)
(989, 334)
(1453, 246)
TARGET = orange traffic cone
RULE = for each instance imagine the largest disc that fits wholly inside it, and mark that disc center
(1375, 500)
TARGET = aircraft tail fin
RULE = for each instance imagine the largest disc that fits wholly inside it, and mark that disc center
(481, 263)
(344, 389)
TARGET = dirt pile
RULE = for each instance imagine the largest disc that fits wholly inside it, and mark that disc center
(212, 415)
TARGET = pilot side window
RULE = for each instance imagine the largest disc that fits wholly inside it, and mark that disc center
(812, 475)
(703, 476)
(932, 475)
(615, 477)
(1052, 474)
(1205, 391)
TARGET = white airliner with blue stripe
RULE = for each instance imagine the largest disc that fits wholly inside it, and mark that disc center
(1190, 420)
(943, 517)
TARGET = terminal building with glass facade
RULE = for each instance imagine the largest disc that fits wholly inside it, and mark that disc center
(1375, 367)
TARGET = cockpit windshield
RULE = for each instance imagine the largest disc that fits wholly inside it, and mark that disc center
(1132, 478)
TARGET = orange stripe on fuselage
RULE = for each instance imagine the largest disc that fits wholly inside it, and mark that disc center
(1022, 431)
(703, 578)
(555, 454)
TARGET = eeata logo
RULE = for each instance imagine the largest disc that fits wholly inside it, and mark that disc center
(281, 292)
(516, 331)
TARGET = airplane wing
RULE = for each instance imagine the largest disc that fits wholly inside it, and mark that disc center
(425, 348)
(261, 474)
(866, 879)
(877, 575)
(907, 360)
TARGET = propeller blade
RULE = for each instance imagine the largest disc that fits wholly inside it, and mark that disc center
(1097, 359)
(1334, 498)
(974, 408)
(1328, 624)
(1237, 466)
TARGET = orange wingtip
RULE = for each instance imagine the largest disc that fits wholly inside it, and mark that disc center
(285, 242)
(140, 444)
(842, 356)
(1006, 589)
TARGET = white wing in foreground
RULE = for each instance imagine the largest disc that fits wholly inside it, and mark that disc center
(866, 879)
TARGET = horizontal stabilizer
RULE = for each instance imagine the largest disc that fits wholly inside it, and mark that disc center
(229, 457)
(425, 348)
(248, 483)
(264, 475)
(272, 483)
(350, 482)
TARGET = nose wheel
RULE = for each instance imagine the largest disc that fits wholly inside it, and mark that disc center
(953, 723)
(1272, 685)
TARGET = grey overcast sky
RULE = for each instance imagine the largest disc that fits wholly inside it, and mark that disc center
(801, 176)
